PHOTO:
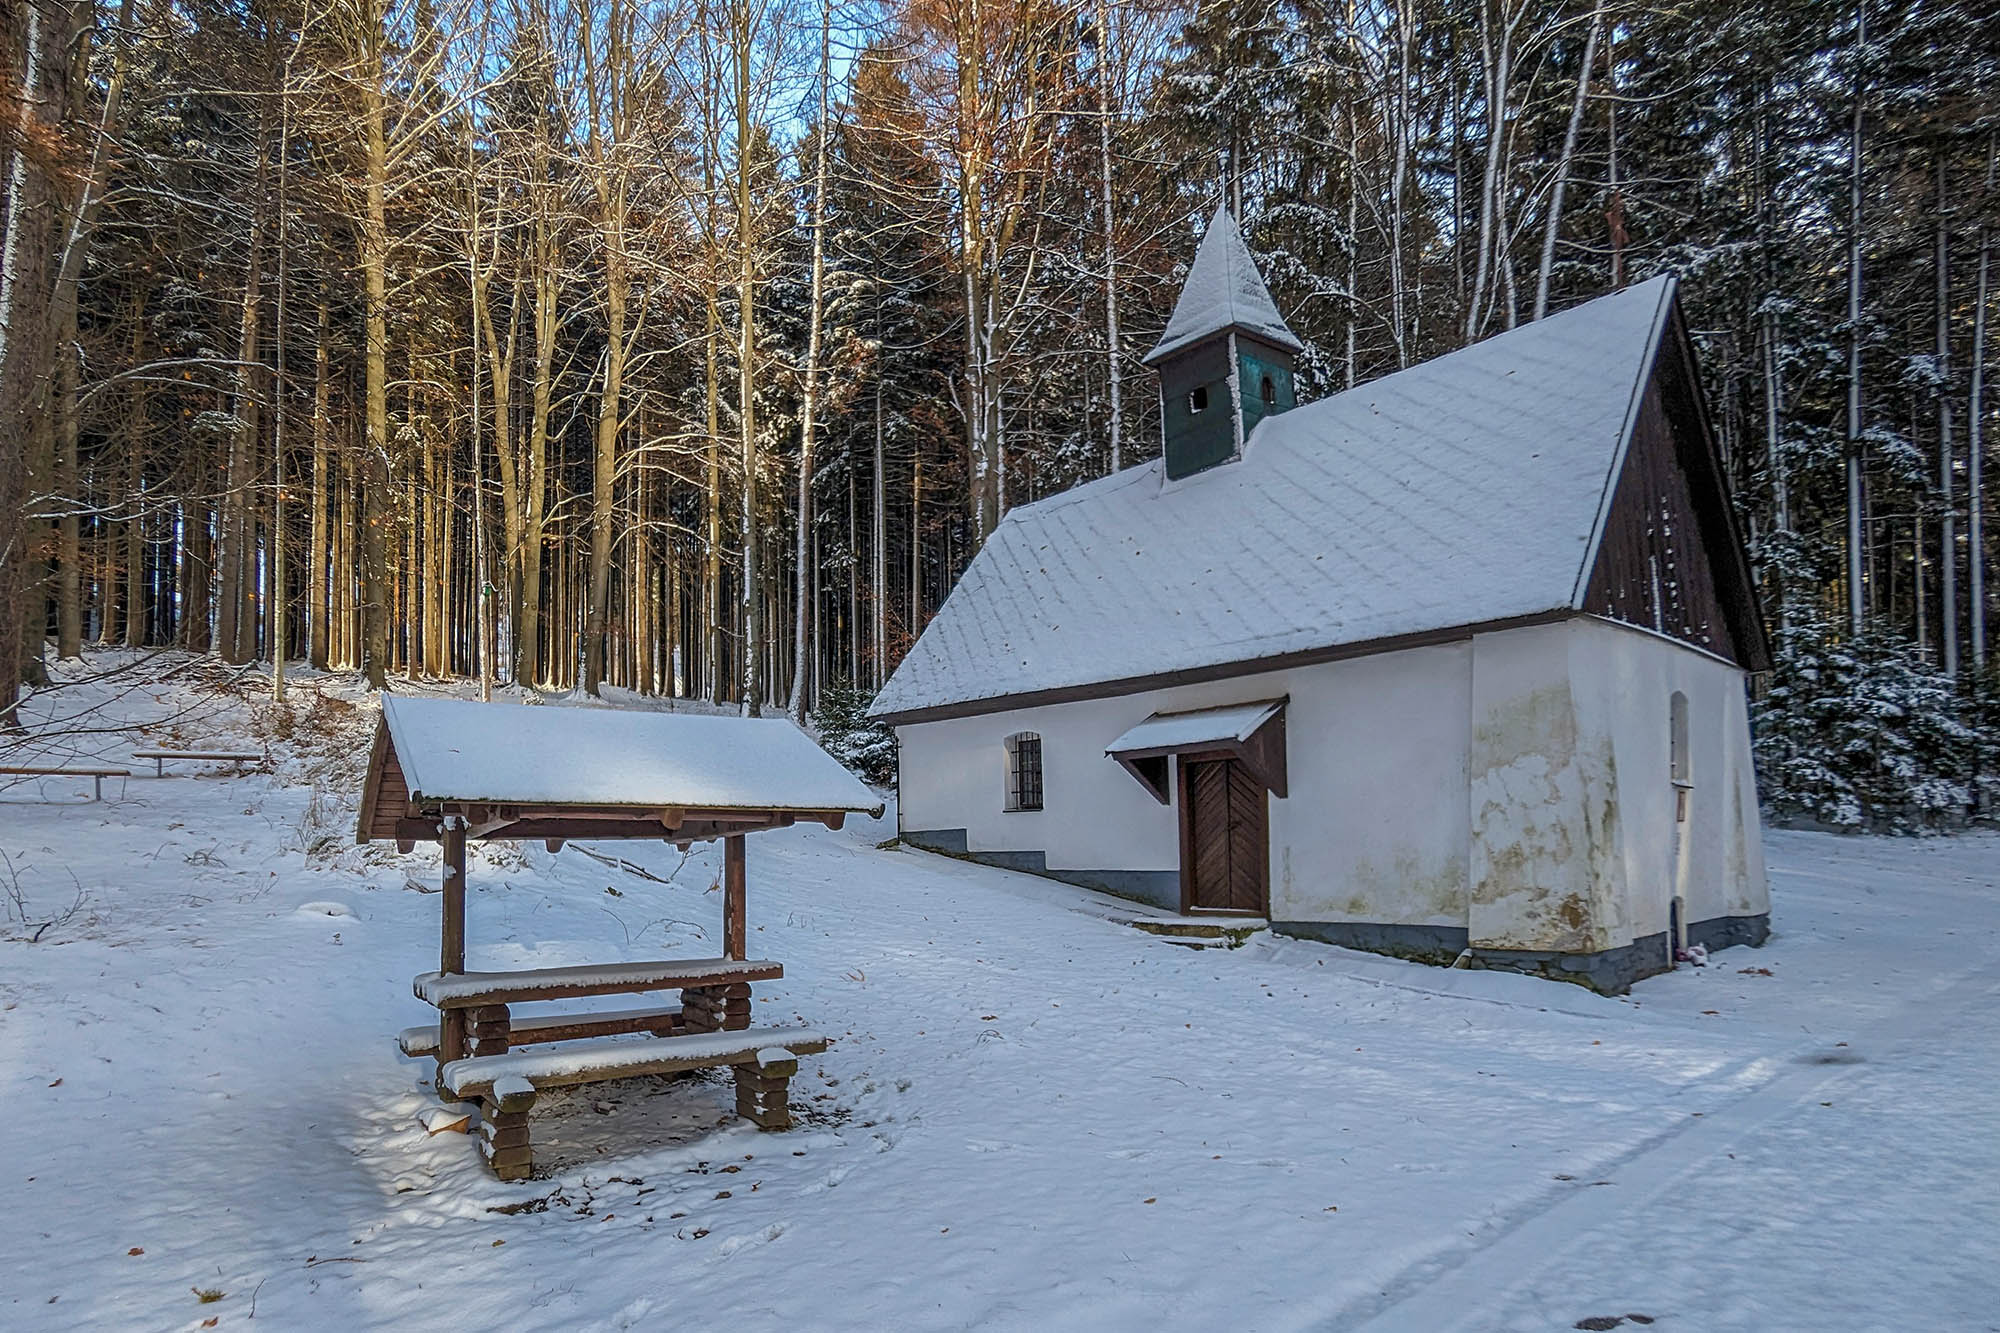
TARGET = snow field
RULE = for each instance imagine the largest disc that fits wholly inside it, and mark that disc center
(1031, 1116)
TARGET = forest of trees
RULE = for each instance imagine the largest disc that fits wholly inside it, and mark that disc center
(693, 346)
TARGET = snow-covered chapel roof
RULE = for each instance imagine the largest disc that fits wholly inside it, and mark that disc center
(1462, 491)
(1223, 291)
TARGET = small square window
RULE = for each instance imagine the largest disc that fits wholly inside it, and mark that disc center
(1198, 400)
(1024, 771)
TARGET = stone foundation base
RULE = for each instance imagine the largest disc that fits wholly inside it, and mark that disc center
(1723, 931)
(1155, 888)
(1609, 972)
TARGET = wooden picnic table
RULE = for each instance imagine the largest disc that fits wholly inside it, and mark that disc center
(710, 1027)
(96, 775)
(466, 990)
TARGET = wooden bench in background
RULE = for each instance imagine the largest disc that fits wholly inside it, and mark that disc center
(96, 775)
(160, 757)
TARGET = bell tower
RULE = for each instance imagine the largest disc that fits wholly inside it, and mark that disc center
(1225, 360)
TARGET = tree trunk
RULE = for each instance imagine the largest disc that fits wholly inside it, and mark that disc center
(529, 665)
(1975, 444)
(236, 620)
(1554, 222)
(805, 591)
(1947, 517)
(1112, 368)
(376, 495)
(746, 293)
(1856, 613)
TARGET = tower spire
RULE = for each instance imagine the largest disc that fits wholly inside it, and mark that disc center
(1226, 346)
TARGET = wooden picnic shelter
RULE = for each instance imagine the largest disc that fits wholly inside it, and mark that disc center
(453, 771)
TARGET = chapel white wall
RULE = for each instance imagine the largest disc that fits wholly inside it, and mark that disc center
(1575, 844)
(1624, 680)
(1514, 783)
(1374, 829)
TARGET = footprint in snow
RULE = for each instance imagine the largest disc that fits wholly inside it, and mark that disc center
(735, 1243)
(320, 909)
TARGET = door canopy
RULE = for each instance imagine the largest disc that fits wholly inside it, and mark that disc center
(1253, 734)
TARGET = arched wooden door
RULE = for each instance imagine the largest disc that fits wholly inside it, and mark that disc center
(1225, 837)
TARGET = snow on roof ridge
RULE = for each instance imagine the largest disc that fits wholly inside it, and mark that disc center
(1665, 283)
(1223, 291)
(1459, 491)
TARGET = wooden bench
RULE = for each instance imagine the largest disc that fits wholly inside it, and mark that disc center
(96, 775)
(160, 757)
(661, 1022)
(763, 1061)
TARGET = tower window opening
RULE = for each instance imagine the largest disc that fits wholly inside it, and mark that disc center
(1198, 400)
(1270, 392)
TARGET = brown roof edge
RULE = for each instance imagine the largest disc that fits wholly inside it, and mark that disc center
(1106, 689)
(1747, 604)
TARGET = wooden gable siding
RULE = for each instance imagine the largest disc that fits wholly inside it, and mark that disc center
(1670, 559)
(392, 797)
(385, 793)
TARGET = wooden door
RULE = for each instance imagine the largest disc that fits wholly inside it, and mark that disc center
(1225, 838)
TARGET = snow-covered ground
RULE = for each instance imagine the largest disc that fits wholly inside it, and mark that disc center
(1032, 1116)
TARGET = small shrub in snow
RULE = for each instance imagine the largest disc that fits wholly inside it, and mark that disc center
(844, 728)
(1861, 732)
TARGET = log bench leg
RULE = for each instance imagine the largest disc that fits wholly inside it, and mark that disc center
(503, 1135)
(716, 1008)
(454, 1043)
(488, 1027)
(761, 1093)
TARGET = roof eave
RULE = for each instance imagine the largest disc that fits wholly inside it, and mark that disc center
(1284, 339)
(1251, 666)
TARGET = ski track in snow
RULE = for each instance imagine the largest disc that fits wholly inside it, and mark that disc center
(1031, 1117)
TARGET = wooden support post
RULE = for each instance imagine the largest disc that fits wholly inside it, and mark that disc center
(503, 1130)
(451, 951)
(762, 1089)
(734, 926)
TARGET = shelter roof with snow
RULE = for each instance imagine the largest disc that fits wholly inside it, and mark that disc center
(528, 772)
(1564, 467)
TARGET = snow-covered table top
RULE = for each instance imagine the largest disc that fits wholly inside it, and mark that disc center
(458, 990)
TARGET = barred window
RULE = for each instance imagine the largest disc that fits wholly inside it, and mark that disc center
(1024, 771)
